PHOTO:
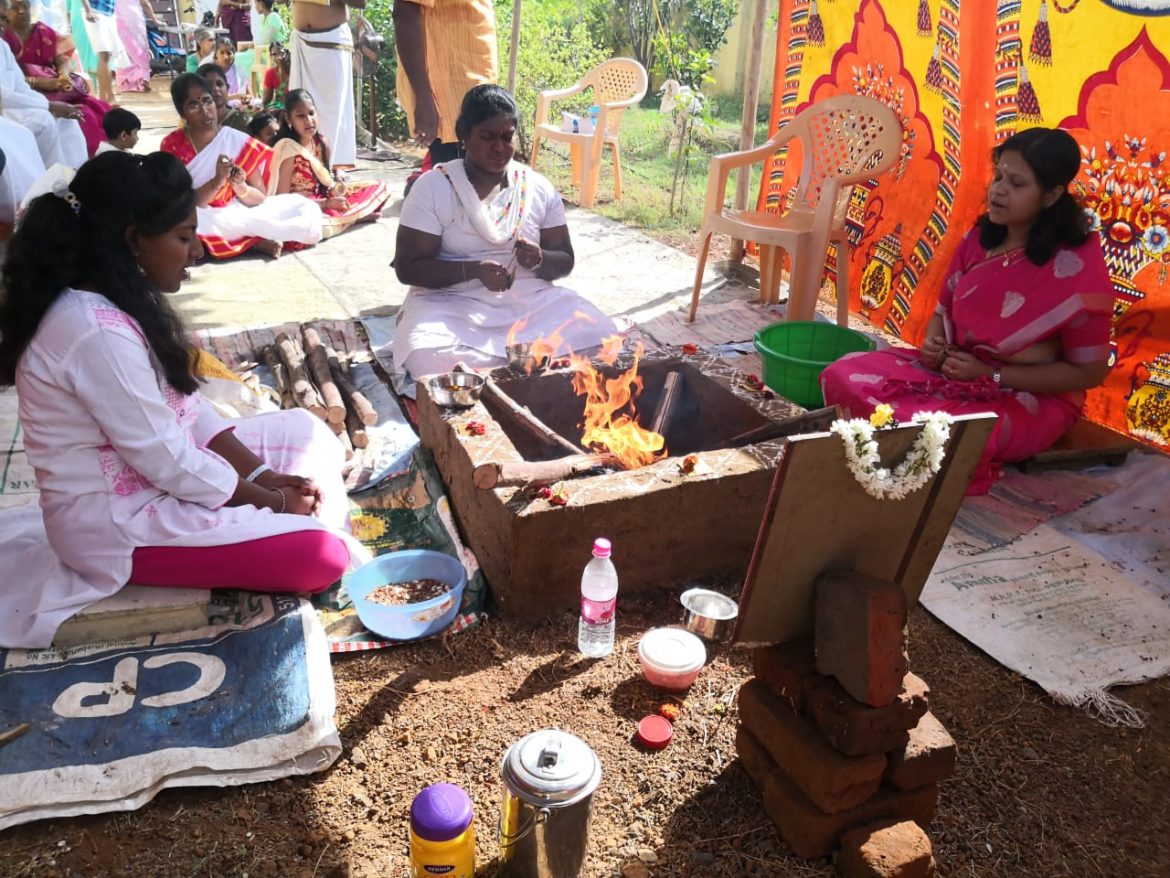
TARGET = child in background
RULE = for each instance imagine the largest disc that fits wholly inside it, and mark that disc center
(264, 127)
(121, 127)
(301, 164)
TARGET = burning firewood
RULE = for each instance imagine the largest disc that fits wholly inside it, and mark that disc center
(522, 417)
(526, 473)
(318, 362)
(816, 421)
(671, 393)
(303, 391)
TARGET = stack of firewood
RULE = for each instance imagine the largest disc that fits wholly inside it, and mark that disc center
(310, 374)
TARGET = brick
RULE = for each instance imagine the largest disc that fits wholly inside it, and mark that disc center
(806, 829)
(831, 781)
(887, 849)
(928, 757)
(857, 729)
(860, 625)
(787, 670)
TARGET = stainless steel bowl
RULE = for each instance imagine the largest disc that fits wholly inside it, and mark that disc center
(521, 358)
(708, 614)
(456, 389)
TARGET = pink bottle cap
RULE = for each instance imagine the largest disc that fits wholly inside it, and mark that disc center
(601, 548)
(655, 732)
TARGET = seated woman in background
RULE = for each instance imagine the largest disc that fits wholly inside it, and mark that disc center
(229, 170)
(36, 47)
(227, 117)
(140, 479)
(480, 242)
(300, 163)
(203, 41)
(275, 83)
(239, 81)
(1022, 324)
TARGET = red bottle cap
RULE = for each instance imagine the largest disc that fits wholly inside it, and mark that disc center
(655, 732)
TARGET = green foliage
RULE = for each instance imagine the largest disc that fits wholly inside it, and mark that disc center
(556, 50)
(392, 122)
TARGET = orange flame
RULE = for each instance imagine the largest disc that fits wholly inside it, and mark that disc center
(610, 414)
(546, 348)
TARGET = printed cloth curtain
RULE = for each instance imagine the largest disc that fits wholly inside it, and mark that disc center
(963, 76)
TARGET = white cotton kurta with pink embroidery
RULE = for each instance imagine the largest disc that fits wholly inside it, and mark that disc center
(121, 461)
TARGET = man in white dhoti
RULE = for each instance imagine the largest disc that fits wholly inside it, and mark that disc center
(22, 166)
(53, 124)
(321, 46)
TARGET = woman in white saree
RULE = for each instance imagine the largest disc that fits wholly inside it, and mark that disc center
(230, 172)
(480, 241)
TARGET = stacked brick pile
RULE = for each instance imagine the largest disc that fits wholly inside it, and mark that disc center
(838, 736)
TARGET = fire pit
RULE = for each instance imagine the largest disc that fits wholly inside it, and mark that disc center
(691, 514)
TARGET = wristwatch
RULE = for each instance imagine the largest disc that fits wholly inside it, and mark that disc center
(996, 377)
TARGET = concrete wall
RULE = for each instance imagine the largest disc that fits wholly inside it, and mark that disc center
(732, 58)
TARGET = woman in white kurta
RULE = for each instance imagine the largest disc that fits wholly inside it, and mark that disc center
(481, 240)
(140, 480)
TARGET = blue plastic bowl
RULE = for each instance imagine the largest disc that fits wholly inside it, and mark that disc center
(408, 621)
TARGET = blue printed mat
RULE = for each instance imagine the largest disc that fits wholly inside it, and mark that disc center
(107, 726)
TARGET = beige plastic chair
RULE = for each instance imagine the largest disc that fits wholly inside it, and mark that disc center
(843, 140)
(617, 84)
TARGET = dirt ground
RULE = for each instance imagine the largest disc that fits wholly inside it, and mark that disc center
(1042, 790)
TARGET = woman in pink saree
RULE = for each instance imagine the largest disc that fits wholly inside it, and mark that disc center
(131, 16)
(36, 47)
(1022, 323)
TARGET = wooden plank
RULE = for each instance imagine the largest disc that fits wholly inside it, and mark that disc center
(818, 519)
(1086, 444)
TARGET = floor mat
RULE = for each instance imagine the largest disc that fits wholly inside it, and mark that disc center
(1062, 578)
(107, 726)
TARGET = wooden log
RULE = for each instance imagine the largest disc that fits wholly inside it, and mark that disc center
(343, 438)
(318, 362)
(671, 394)
(524, 418)
(337, 429)
(353, 397)
(279, 376)
(526, 473)
(816, 421)
(356, 429)
(303, 390)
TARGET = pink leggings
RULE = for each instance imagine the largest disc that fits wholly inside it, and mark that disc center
(301, 561)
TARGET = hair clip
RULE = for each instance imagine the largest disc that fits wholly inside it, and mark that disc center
(61, 190)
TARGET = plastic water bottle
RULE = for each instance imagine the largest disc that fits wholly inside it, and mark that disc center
(599, 588)
(594, 111)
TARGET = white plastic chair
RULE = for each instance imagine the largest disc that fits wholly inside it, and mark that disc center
(843, 140)
(617, 84)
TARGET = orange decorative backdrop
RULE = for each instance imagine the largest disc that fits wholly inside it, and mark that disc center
(963, 77)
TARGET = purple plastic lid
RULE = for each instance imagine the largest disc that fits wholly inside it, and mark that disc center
(440, 812)
(601, 548)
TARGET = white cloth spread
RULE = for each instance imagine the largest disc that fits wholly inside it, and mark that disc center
(121, 462)
(322, 63)
(288, 217)
(436, 328)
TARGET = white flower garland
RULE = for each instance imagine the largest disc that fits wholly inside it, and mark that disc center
(921, 463)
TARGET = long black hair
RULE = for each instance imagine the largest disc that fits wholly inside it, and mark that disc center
(481, 103)
(1055, 158)
(56, 248)
(294, 98)
(181, 85)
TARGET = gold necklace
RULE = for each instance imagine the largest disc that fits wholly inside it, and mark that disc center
(1007, 254)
